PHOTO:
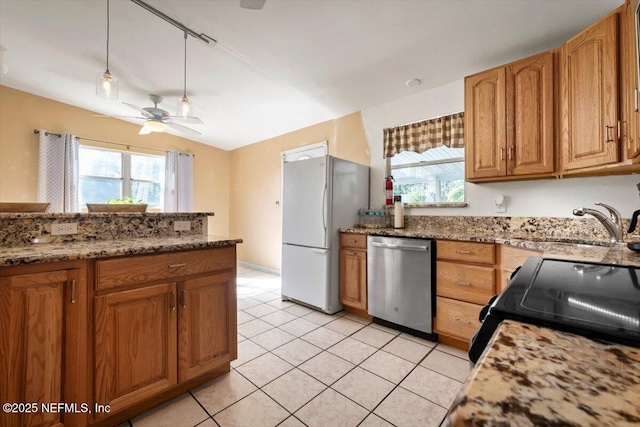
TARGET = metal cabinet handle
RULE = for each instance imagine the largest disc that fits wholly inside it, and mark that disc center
(458, 251)
(607, 138)
(401, 247)
(462, 283)
(178, 265)
(173, 300)
(184, 298)
(73, 291)
(502, 154)
(350, 253)
(463, 321)
(510, 153)
(352, 241)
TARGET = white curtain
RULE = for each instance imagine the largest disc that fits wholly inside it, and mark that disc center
(58, 172)
(178, 188)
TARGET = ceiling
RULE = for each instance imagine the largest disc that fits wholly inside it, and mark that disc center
(290, 65)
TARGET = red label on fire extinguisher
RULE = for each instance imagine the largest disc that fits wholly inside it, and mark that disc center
(389, 190)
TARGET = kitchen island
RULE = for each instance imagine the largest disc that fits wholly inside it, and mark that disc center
(533, 376)
(114, 326)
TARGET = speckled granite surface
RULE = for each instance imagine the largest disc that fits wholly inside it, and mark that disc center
(106, 248)
(524, 228)
(571, 249)
(21, 228)
(534, 376)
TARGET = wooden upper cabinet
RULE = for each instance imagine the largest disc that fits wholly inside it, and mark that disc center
(485, 138)
(529, 112)
(509, 120)
(630, 102)
(135, 345)
(589, 96)
(207, 333)
(39, 324)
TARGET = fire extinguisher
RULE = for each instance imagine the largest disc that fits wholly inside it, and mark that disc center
(388, 185)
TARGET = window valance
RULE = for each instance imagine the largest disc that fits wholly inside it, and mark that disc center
(421, 136)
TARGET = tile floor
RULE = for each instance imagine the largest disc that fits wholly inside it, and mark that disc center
(300, 367)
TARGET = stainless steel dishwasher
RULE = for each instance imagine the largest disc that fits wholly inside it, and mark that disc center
(401, 283)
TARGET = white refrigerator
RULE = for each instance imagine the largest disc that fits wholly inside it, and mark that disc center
(320, 195)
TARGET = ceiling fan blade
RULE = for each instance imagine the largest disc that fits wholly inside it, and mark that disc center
(120, 117)
(183, 129)
(142, 111)
(186, 119)
(252, 4)
(144, 131)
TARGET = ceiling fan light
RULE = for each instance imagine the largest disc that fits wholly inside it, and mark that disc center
(155, 125)
(107, 86)
(184, 106)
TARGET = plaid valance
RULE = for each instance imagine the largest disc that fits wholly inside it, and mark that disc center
(421, 136)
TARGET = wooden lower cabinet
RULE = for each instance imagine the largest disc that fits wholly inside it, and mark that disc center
(153, 339)
(353, 278)
(68, 338)
(135, 345)
(457, 319)
(465, 282)
(510, 259)
(207, 324)
(353, 273)
(41, 333)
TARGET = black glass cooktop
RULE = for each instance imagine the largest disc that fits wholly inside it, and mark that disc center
(596, 300)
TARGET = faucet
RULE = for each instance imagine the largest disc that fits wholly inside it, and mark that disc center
(613, 224)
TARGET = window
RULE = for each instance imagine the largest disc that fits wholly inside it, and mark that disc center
(108, 174)
(434, 176)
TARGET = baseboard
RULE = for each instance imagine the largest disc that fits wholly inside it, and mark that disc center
(259, 267)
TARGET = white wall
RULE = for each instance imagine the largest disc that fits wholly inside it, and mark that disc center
(546, 197)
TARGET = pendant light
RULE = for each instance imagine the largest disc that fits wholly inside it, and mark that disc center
(184, 105)
(107, 84)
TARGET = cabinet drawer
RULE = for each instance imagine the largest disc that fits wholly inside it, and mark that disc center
(121, 272)
(355, 241)
(480, 253)
(456, 318)
(470, 283)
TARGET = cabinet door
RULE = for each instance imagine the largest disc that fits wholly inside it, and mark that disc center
(589, 96)
(207, 324)
(32, 338)
(484, 99)
(353, 278)
(530, 115)
(135, 345)
(630, 131)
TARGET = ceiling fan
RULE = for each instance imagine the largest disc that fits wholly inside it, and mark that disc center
(158, 120)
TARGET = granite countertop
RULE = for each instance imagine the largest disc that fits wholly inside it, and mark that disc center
(569, 249)
(52, 252)
(533, 376)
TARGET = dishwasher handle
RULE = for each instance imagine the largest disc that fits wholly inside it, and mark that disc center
(400, 247)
